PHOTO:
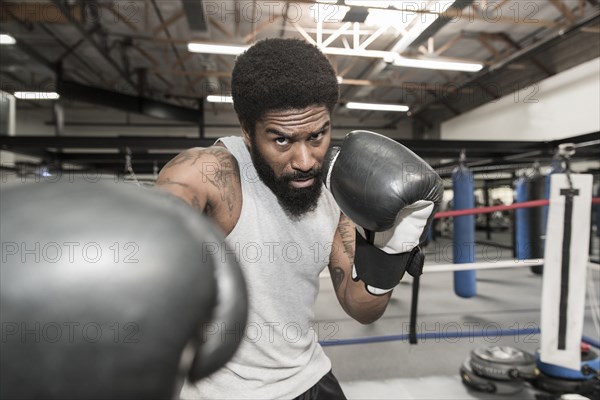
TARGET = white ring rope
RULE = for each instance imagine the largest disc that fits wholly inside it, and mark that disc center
(492, 265)
(429, 268)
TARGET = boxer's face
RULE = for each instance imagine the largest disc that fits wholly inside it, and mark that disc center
(287, 150)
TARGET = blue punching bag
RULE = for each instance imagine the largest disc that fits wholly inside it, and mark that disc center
(465, 284)
(522, 247)
(537, 218)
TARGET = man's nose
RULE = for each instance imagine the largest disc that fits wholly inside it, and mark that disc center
(303, 159)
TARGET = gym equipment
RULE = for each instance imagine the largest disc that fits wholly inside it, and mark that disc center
(465, 284)
(502, 363)
(497, 369)
(586, 387)
(107, 292)
(530, 223)
(488, 385)
(522, 248)
(537, 219)
(590, 365)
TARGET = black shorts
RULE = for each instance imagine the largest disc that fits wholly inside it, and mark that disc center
(328, 388)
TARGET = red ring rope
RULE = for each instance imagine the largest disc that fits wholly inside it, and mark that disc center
(491, 209)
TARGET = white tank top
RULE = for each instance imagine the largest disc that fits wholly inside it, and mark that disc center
(281, 257)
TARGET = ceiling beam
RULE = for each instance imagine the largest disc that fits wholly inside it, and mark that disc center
(38, 12)
(66, 11)
(455, 15)
(219, 27)
(165, 28)
(165, 23)
(524, 53)
(448, 44)
(506, 38)
(124, 102)
(119, 16)
(257, 29)
(455, 10)
(564, 10)
(489, 47)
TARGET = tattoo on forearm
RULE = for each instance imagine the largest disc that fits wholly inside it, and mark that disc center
(337, 276)
(346, 229)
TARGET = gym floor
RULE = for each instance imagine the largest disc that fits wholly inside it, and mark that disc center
(506, 299)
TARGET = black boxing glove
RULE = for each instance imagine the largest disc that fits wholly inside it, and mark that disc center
(392, 195)
(147, 289)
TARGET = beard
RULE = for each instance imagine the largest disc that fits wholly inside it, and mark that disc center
(295, 201)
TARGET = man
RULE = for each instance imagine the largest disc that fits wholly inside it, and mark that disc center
(265, 191)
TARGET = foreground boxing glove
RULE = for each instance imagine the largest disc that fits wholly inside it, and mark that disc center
(391, 195)
(106, 291)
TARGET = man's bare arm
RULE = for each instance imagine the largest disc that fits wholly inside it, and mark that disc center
(205, 178)
(353, 297)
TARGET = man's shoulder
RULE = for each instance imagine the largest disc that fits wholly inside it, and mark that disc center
(206, 159)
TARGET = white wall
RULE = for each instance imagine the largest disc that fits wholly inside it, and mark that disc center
(564, 105)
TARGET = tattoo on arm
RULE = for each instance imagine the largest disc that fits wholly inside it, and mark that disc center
(182, 158)
(337, 276)
(216, 166)
(346, 228)
(224, 176)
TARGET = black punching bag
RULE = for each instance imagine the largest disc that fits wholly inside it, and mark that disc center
(105, 291)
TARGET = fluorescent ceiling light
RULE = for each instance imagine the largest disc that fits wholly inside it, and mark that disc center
(215, 48)
(235, 50)
(437, 64)
(37, 95)
(387, 56)
(376, 107)
(357, 52)
(7, 39)
(215, 98)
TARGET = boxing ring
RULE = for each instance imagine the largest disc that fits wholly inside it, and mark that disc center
(459, 328)
(452, 267)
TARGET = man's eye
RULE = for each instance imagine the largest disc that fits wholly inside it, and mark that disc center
(281, 141)
(316, 136)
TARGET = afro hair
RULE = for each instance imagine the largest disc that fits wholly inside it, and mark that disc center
(280, 74)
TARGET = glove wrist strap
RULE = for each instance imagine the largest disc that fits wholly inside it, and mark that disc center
(381, 270)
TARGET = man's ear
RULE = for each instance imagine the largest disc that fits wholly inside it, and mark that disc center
(245, 134)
